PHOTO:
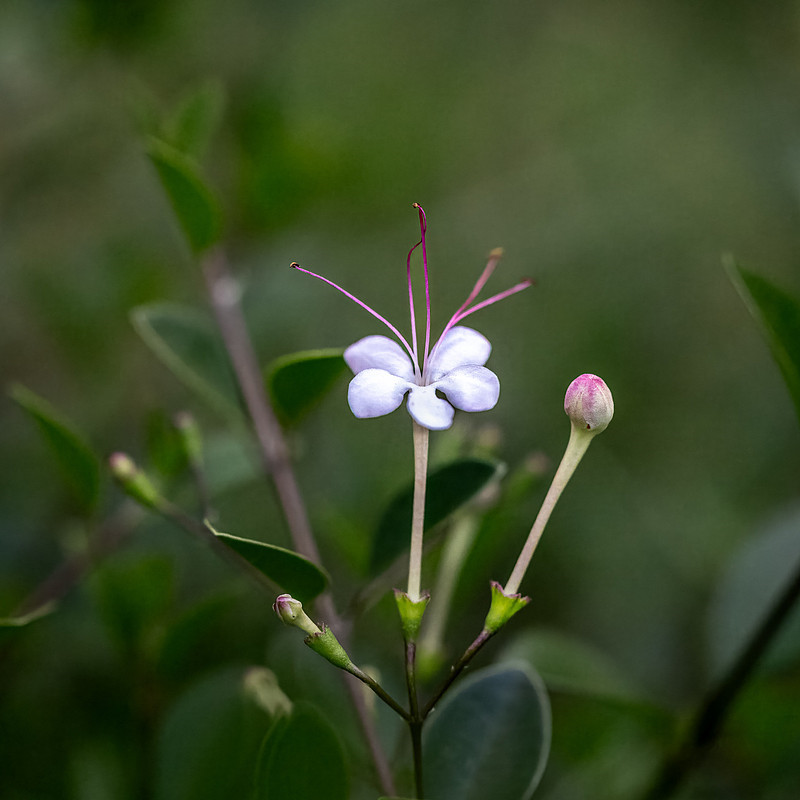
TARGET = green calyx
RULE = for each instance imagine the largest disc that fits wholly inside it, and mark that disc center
(411, 612)
(503, 607)
(327, 645)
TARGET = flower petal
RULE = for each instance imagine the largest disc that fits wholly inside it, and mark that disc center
(379, 352)
(470, 388)
(459, 347)
(375, 392)
(428, 410)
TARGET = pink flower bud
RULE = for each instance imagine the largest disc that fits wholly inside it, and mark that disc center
(589, 404)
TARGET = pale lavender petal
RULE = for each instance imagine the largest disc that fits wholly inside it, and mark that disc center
(460, 347)
(379, 352)
(428, 410)
(470, 388)
(375, 392)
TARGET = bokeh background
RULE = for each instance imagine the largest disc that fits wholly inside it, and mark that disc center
(615, 150)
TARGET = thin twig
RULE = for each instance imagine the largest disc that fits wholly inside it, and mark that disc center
(457, 669)
(716, 705)
(225, 301)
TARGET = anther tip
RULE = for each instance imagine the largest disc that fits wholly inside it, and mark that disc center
(294, 265)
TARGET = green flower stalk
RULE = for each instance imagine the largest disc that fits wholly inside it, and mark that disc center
(590, 407)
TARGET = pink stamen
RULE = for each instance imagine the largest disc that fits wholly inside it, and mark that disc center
(489, 301)
(423, 227)
(494, 259)
(363, 305)
(411, 302)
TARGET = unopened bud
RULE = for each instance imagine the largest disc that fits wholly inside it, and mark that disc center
(589, 404)
(133, 481)
(290, 612)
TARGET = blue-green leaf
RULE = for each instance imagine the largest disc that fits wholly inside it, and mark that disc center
(448, 488)
(208, 745)
(194, 204)
(569, 665)
(303, 760)
(489, 737)
(187, 343)
(779, 315)
(295, 574)
(79, 466)
(297, 382)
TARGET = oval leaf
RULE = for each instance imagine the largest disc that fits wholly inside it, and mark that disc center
(569, 665)
(193, 202)
(195, 121)
(448, 488)
(779, 315)
(297, 382)
(489, 738)
(753, 581)
(78, 464)
(303, 760)
(187, 343)
(209, 742)
(295, 574)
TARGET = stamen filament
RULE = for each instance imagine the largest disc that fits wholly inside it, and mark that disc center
(361, 303)
(490, 300)
(411, 303)
(423, 227)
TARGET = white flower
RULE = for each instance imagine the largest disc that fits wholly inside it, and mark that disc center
(384, 374)
(454, 367)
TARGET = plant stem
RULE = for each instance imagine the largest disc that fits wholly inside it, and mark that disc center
(579, 441)
(414, 719)
(223, 292)
(418, 510)
(367, 679)
(714, 708)
(457, 669)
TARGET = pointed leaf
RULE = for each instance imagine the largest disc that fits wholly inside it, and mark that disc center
(448, 488)
(196, 119)
(489, 737)
(21, 620)
(297, 382)
(304, 760)
(779, 315)
(194, 204)
(208, 745)
(79, 466)
(295, 574)
(187, 343)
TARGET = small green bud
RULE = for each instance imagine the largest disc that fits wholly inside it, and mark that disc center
(133, 481)
(190, 436)
(503, 607)
(290, 612)
(411, 613)
(589, 404)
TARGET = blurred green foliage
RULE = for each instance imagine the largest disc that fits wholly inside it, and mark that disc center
(615, 150)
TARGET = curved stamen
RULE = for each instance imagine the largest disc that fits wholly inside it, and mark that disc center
(401, 338)
(411, 303)
(423, 227)
(490, 300)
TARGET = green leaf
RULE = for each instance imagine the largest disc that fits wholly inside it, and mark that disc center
(779, 315)
(295, 574)
(79, 466)
(757, 574)
(194, 204)
(297, 382)
(193, 124)
(448, 488)
(209, 742)
(304, 760)
(187, 343)
(489, 737)
(569, 665)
